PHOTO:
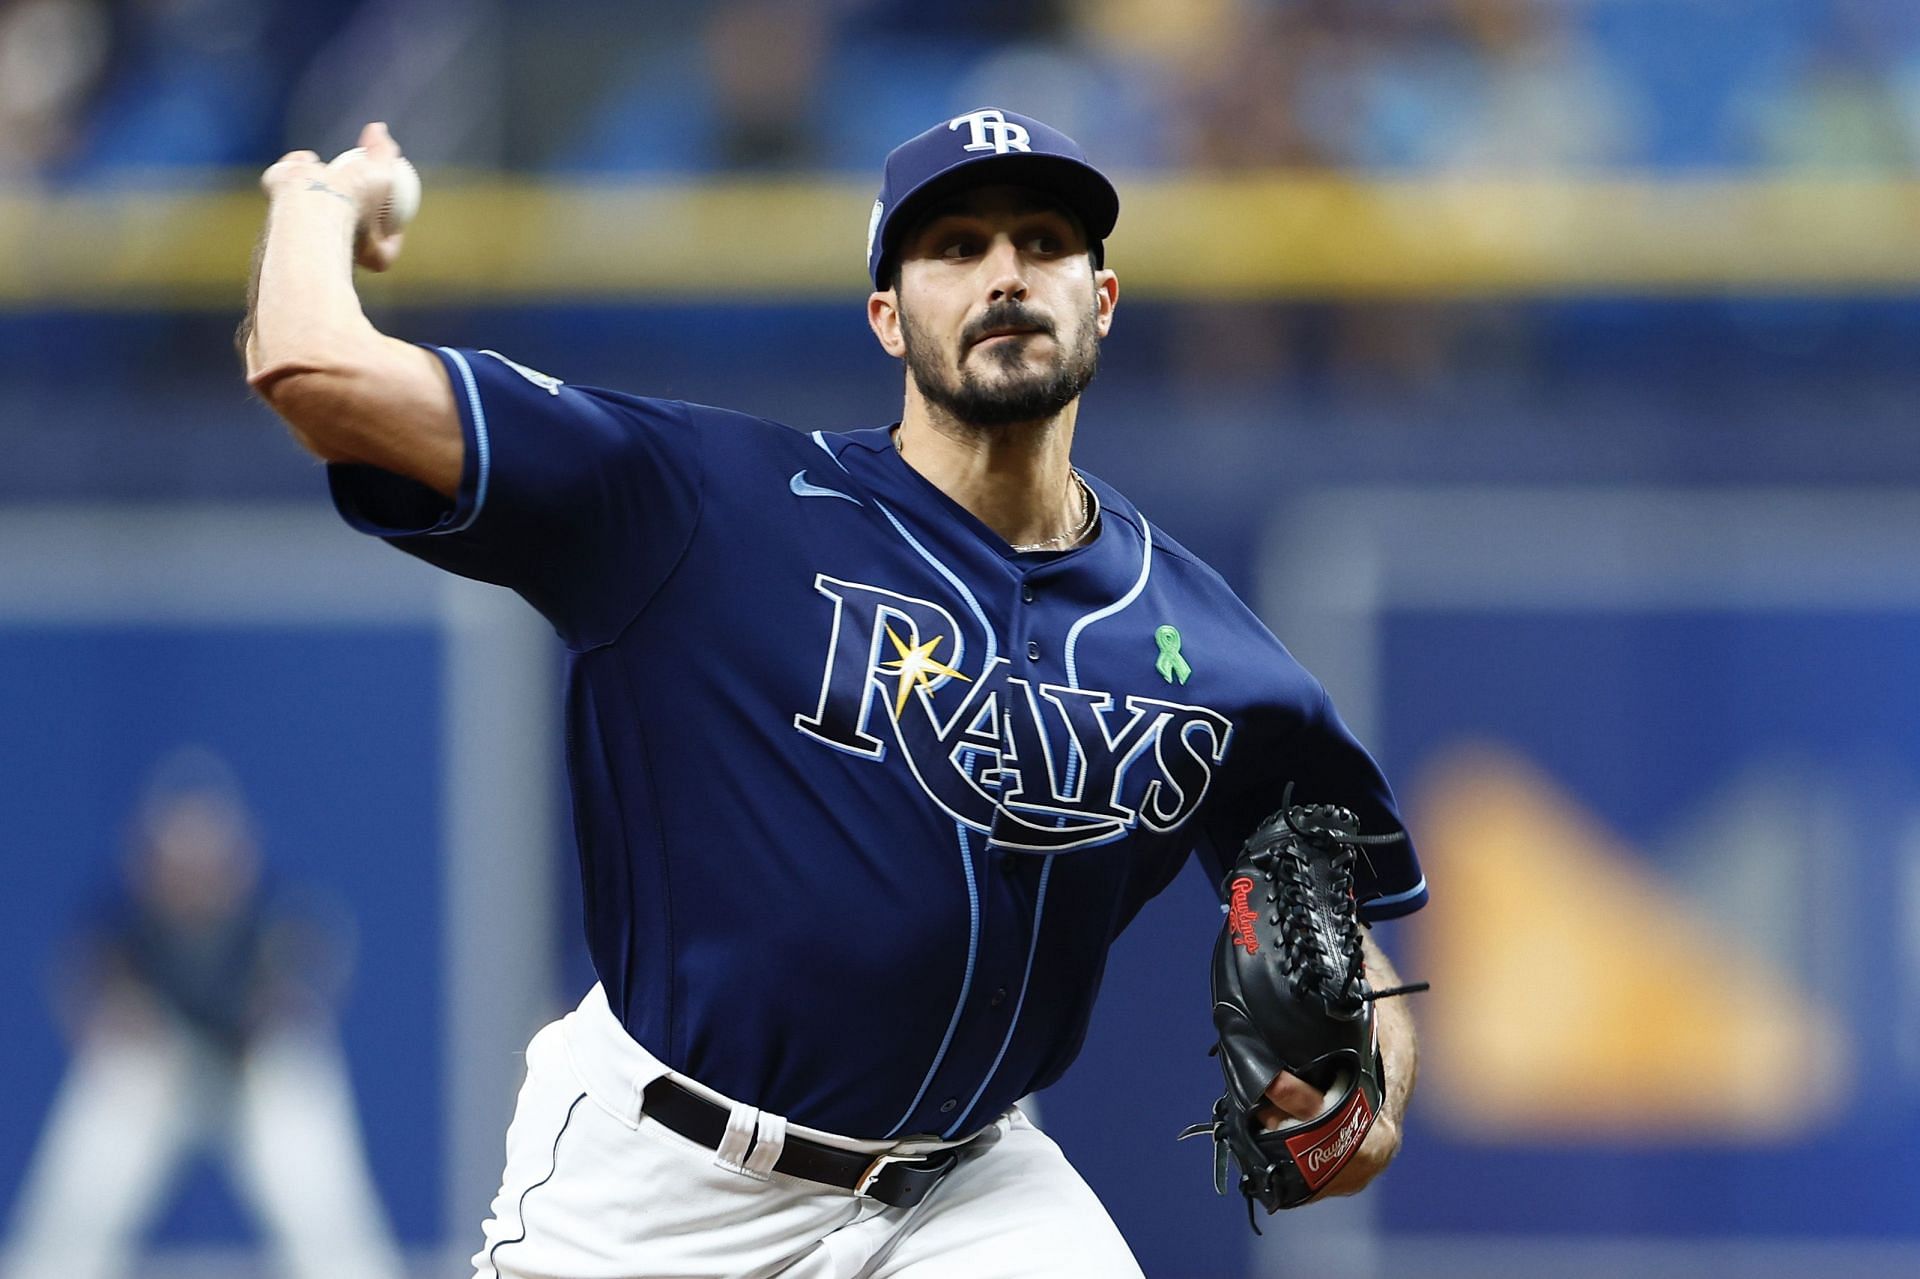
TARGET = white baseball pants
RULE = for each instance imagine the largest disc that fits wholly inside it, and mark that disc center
(593, 1189)
(133, 1108)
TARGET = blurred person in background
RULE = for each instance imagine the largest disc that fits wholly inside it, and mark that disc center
(53, 56)
(764, 60)
(200, 1013)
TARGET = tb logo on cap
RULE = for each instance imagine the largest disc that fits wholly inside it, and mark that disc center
(991, 131)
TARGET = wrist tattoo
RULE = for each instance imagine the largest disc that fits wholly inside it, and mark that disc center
(315, 184)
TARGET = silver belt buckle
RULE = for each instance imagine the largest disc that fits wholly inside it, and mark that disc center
(878, 1166)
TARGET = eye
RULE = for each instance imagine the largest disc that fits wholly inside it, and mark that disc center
(1045, 243)
(956, 247)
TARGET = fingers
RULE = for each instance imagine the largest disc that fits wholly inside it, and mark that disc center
(378, 142)
(367, 168)
(287, 166)
(1295, 1097)
(1375, 1153)
(362, 175)
(375, 144)
(378, 252)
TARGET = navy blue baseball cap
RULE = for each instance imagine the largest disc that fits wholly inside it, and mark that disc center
(981, 147)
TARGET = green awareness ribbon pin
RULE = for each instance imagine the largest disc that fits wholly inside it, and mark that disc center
(1170, 664)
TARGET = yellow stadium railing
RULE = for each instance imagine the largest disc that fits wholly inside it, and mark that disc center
(483, 239)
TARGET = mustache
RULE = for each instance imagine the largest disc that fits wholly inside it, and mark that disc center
(1006, 315)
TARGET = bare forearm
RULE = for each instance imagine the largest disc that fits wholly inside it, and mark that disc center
(303, 314)
(1399, 1048)
(346, 391)
(1399, 1055)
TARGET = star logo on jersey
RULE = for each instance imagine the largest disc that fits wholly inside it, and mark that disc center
(915, 666)
(1035, 765)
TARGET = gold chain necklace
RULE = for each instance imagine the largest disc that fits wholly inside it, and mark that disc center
(1089, 513)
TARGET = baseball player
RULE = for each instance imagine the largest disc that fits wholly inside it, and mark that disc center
(876, 738)
(200, 1006)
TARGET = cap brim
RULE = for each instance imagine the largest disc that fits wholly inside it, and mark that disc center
(1077, 185)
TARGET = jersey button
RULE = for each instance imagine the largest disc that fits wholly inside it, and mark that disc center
(1026, 593)
(1033, 650)
(999, 997)
(947, 1106)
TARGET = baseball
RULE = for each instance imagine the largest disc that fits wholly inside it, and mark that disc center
(403, 194)
(403, 198)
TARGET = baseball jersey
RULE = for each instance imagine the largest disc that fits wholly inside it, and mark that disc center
(861, 794)
(224, 974)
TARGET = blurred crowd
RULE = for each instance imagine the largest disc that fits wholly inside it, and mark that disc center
(91, 88)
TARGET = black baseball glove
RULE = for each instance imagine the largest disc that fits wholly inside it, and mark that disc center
(1290, 994)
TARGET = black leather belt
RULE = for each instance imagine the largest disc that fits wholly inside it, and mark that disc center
(894, 1181)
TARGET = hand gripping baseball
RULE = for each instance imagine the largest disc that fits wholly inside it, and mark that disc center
(373, 178)
(1290, 996)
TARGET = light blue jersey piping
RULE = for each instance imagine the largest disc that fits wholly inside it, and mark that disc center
(1139, 584)
(1395, 899)
(966, 982)
(820, 438)
(966, 851)
(1033, 946)
(482, 446)
(1073, 773)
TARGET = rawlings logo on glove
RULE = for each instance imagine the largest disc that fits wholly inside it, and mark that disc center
(1320, 1157)
(1240, 917)
(1290, 994)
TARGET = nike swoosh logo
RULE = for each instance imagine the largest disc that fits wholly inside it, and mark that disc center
(803, 489)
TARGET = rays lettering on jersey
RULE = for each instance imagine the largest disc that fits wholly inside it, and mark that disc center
(1036, 766)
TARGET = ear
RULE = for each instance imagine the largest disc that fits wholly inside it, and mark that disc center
(883, 317)
(1106, 296)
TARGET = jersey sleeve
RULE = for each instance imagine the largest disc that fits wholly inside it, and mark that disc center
(1327, 765)
(581, 500)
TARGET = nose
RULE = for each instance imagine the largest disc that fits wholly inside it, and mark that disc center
(1006, 272)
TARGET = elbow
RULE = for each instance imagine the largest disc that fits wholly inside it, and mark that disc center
(314, 399)
(383, 403)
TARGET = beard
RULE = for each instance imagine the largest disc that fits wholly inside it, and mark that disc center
(1023, 393)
